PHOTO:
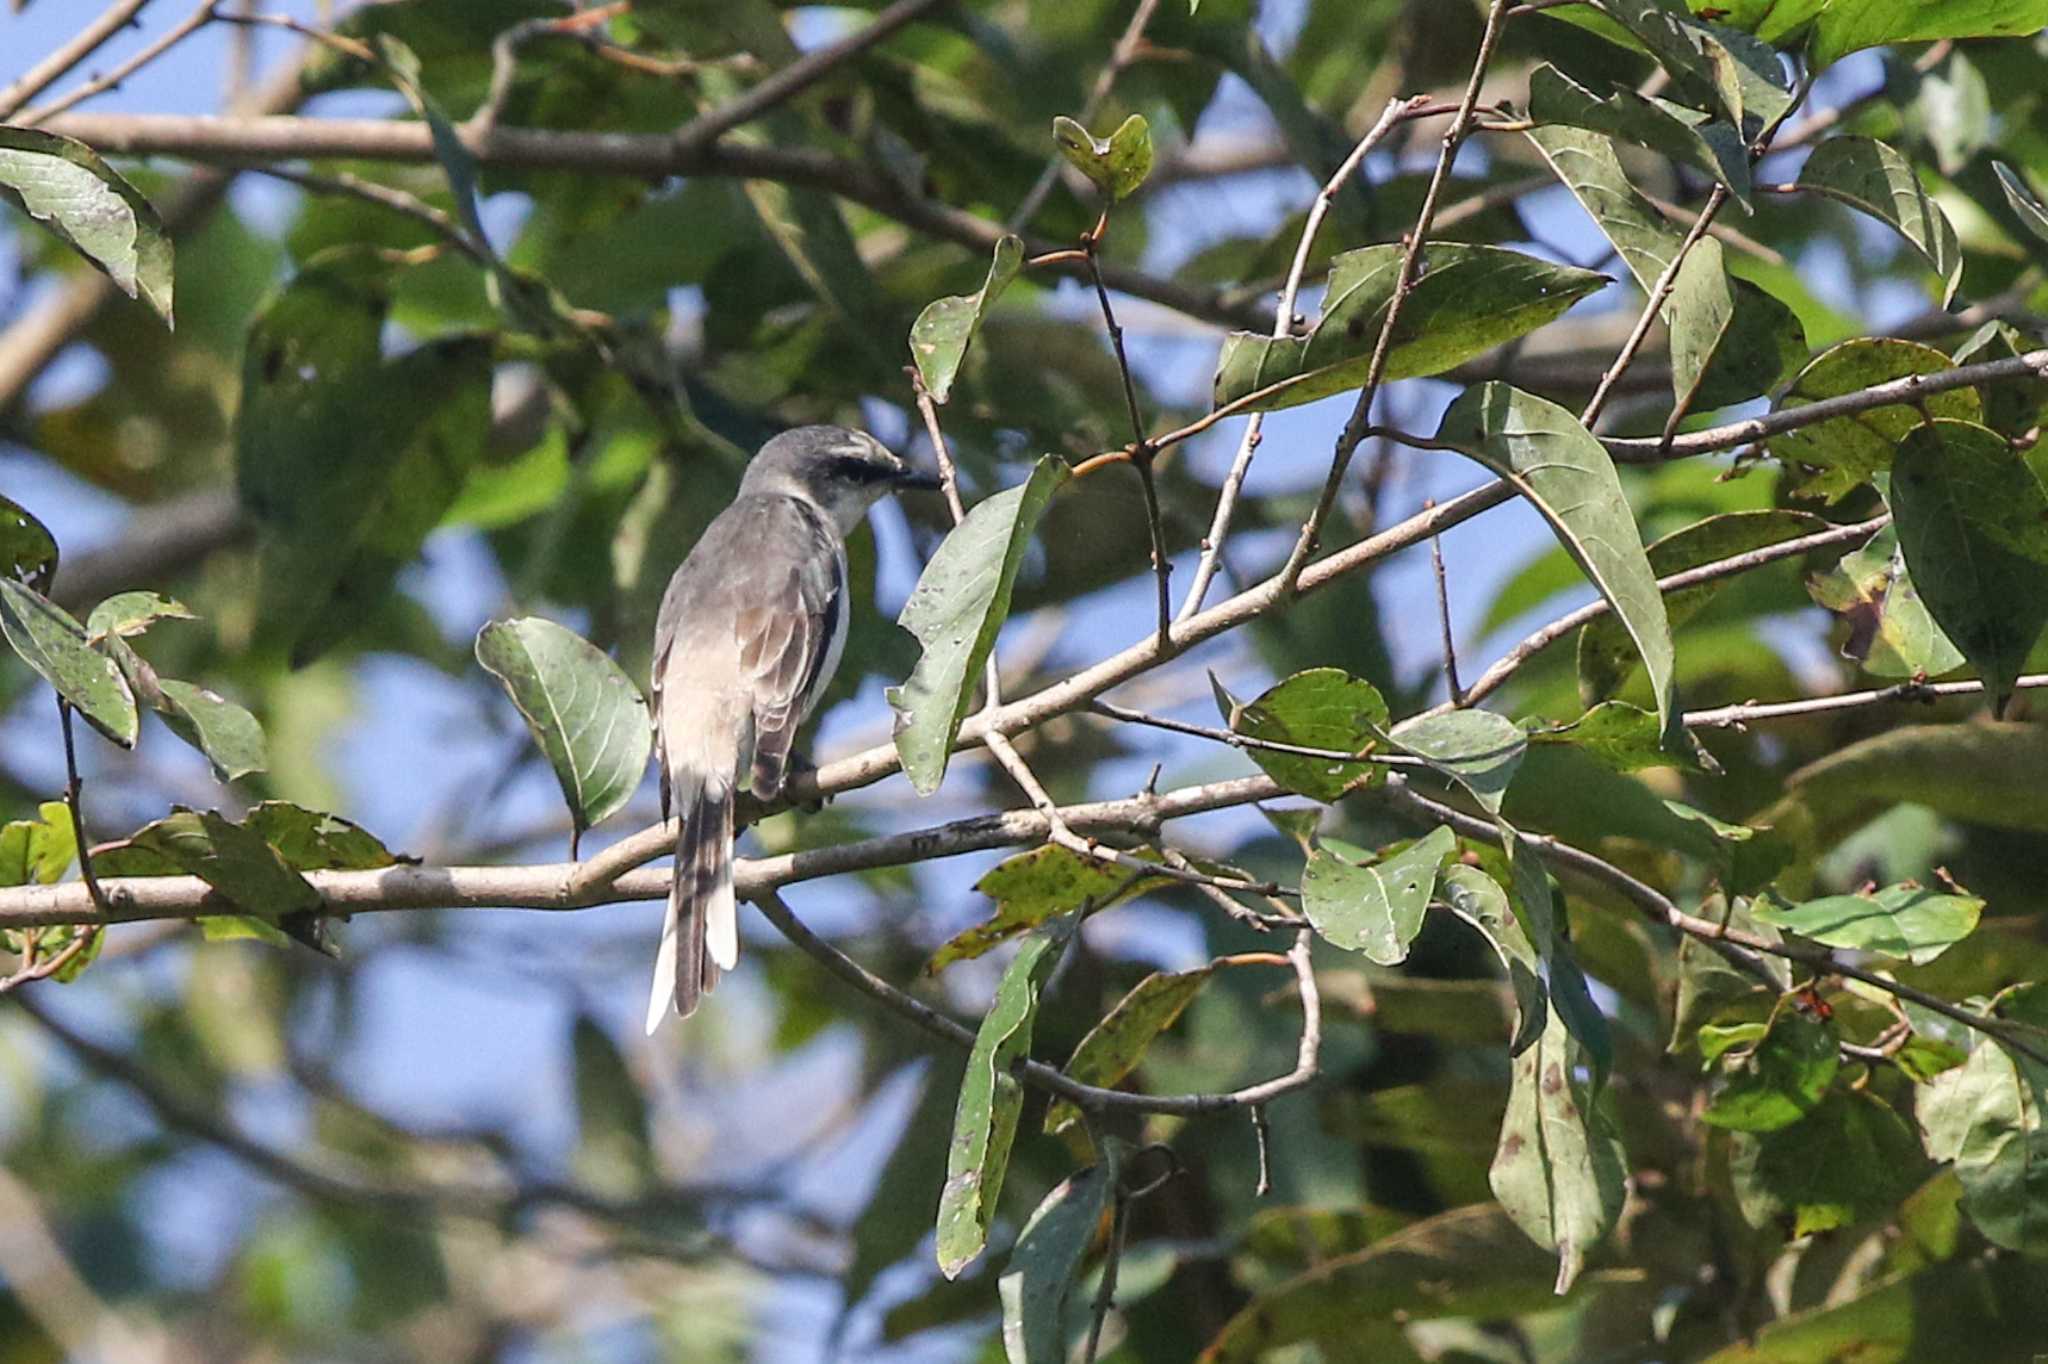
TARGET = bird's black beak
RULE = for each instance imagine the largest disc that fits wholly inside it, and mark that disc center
(917, 481)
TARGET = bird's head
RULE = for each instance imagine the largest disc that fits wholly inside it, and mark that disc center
(841, 470)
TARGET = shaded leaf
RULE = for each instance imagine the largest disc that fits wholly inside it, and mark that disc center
(943, 331)
(1625, 738)
(226, 733)
(1560, 1171)
(1115, 1045)
(1479, 900)
(1117, 164)
(583, 711)
(51, 642)
(1905, 921)
(1375, 909)
(1478, 749)
(2020, 195)
(1890, 631)
(28, 552)
(956, 609)
(1851, 1159)
(1972, 521)
(64, 185)
(1868, 175)
(1990, 1116)
(1851, 450)
(2012, 407)
(1778, 1080)
(1323, 708)
(985, 1119)
(1031, 887)
(230, 857)
(1046, 1265)
(1566, 474)
(1687, 136)
(1726, 65)
(1466, 301)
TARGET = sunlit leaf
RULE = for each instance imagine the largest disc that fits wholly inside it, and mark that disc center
(2020, 195)
(1710, 146)
(1375, 909)
(1475, 748)
(38, 851)
(1321, 708)
(127, 614)
(51, 642)
(1905, 921)
(1890, 631)
(64, 185)
(943, 331)
(1030, 887)
(1114, 1046)
(1479, 900)
(1117, 164)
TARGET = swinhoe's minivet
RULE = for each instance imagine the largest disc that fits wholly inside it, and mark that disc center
(750, 631)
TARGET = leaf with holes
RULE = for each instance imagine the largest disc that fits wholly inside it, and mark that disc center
(1115, 1045)
(1045, 1266)
(956, 609)
(1466, 301)
(1868, 175)
(64, 185)
(943, 331)
(313, 840)
(1323, 708)
(584, 712)
(1041, 884)
(28, 552)
(1117, 164)
(1375, 909)
(1851, 450)
(1475, 748)
(51, 642)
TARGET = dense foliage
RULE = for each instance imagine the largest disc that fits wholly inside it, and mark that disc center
(1533, 855)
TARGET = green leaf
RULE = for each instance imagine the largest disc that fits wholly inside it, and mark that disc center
(1624, 737)
(52, 643)
(1470, 1262)
(1725, 65)
(1868, 175)
(1475, 748)
(1375, 909)
(1560, 1171)
(1988, 1116)
(2012, 407)
(613, 1154)
(2032, 215)
(127, 614)
(1607, 656)
(943, 331)
(64, 185)
(1952, 108)
(1046, 1265)
(28, 552)
(227, 734)
(985, 1120)
(1852, 1159)
(38, 851)
(1777, 1081)
(1478, 899)
(1114, 1046)
(1117, 165)
(956, 610)
(1973, 526)
(1466, 301)
(1890, 631)
(1846, 26)
(1905, 921)
(1708, 145)
(1034, 886)
(1852, 450)
(585, 713)
(1566, 474)
(313, 840)
(1757, 344)
(1323, 708)
(232, 858)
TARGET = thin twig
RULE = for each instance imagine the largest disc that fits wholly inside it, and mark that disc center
(199, 18)
(1261, 1137)
(54, 67)
(1247, 741)
(384, 196)
(1749, 712)
(72, 787)
(1105, 1295)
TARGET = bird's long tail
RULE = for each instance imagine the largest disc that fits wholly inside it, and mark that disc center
(700, 937)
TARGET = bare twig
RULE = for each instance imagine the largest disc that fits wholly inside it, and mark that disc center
(72, 787)
(199, 18)
(54, 67)
(1751, 712)
(1112, 1256)
(384, 196)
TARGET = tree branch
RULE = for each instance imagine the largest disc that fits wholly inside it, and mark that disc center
(54, 67)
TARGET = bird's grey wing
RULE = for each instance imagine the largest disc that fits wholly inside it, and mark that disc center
(789, 601)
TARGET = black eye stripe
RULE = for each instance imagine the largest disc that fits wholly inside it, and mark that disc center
(859, 470)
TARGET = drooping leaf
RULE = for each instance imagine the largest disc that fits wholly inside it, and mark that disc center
(583, 711)
(51, 642)
(1566, 474)
(1479, 900)
(1117, 164)
(1031, 887)
(226, 733)
(38, 851)
(1853, 1157)
(956, 609)
(1478, 749)
(1114, 1046)
(1322, 708)
(985, 1120)
(1560, 1171)
(28, 552)
(64, 185)
(1910, 922)
(2020, 195)
(1776, 1079)
(1972, 521)
(1607, 656)
(1466, 301)
(1375, 909)
(1868, 175)
(127, 614)
(232, 858)
(943, 331)
(1890, 631)
(1708, 145)
(1046, 1264)
(1851, 450)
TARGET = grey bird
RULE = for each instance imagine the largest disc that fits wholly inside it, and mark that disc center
(750, 632)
